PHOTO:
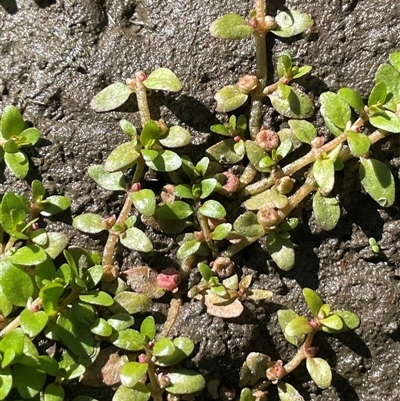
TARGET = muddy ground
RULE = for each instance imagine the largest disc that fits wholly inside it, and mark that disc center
(56, 55)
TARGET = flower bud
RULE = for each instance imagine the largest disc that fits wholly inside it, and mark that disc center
(267, 217)
(312, 351)
(223, 267)
(284, 185)
(169, 279)
(267, 139)
(276, 371)
(270, 22)
(108, 222)
(131, 83)
(253, 22)
(199, 236)
(162, 126)
(163, 380)
(247, 83)
(231, 185)
(110, 273)
(137, 186)
(142, 358)
(168, 193)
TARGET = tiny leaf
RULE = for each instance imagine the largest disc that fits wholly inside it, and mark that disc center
(110, 181)
(358, 143)
(324, 174)
(88, 223)
(353, 98)
(163, 79)
(229, 98)
(111, 97)
(313, 300)
(176, 137)
(304, 131)
(137, 240)
(213, 209)
(231, 26)
(132, 372)
(122, 157)
(291, 23)
(319, 371)
(144, 201)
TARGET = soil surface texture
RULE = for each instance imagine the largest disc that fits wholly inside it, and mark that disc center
(57, 54)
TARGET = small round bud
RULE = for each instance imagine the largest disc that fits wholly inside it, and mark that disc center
(137, 186)
(108, 222)
(214, 223)
(248, 83)
(227, 393)
(34, 308)
(168, 193)
(163, 380)
(35, 226)
(317, 142)
(312, 351)
(267, 139)
(162, 126)
(231, 185)
(199, 236)
(276, 371)
(253, 22)
(110, 273)
(131, 83)
(223, 267)
(142, 75)
(270, 22)
(169, 279)
(267, 217)
(142, 358)
(237, 138)
(284, 185)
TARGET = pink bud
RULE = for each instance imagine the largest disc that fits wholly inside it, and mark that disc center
(136, 187)
(169, 279)
(231, 185)
(143, 76)
(35, 226)
(237, 138)
(253, 22)
(142, 358)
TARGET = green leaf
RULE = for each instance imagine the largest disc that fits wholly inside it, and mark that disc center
(324, 174)
(332, 322)
(163, 347)
(188, 248)
(128, 128)
(229, 98)
(390, 76)
(33, 323)
(144, 201)
(353, 98)
(285, 316)
(28, 255)
(163, 79)
(185, 381)
(246, 224)
(227, 151)
(109, 181)
(281, 251)
(129, 339)
(11, 146)
(111, 97)
(18, 163)
(205, 271)
(166, 161)
(231, 26)
(122, 157)
(38, 190)
(101, 327)
(319, 371)
(54, 392)
(350, 320)
(12, 123)
(97, 297)
(284, 65)
(287, 392)
(213, 209)
(14, 341)
(177, 210)
(336, 112)
(301, 71)
(378, 95)
(15, 284)
(358, 143)
(304, 131)
(130, 302)
(221, 129)
(89, 223)
(139, 393)
(207, 187)
(136, 239)
(150, 134)
(298, 327)
(246, 395)
(29, 381)
(28, 137)
(6, 381)
(75, 334)
(378, 181)
(313, 300)
(50, 294)
(386, 120)
(296, 105)
(132, 372)
(176, 137)
(121, 321)
(148, 328)
(183, 347)
(184, 191)
(53, 205)
(221, 231)
(291, 23)
(326, 210)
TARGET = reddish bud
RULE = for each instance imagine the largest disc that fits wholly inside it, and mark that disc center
(267, 217)
(131, 83)
(247, 83)
(314, 323)
(253, 22)
(237, 138)
(163, 380)
(231, 185)
(137, 186)
(223, 267)
(142, 358)
(35, 226)
(267, 139)
(108, 222)
(169, 279)
(312, 351)
(276, 371)
(168, 193)
(34, 308)
(142, 76)
(199, 236)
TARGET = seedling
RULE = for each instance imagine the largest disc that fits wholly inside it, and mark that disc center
(259, 371)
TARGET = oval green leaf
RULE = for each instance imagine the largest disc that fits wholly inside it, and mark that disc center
(132, 372)
(324, 174)
(326, 210)
(163, 79)
(304, 131)
(89, 223)
(176, 137)
(319, 371)
(144, 201)
(137, 240)
(111, 97)
(378, 181)
(213, 209)
(231, 26)
(296, 105)
(358, 143)
(109, 181)
(185, 381)
(281, 251)
(165, 161)
(291, 23)
(229, 98)
(12, 123)
(177, 210)
(18, 163)
(122, 157)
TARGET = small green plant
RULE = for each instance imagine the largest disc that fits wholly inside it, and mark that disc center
(259, 371)
(14, 136)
